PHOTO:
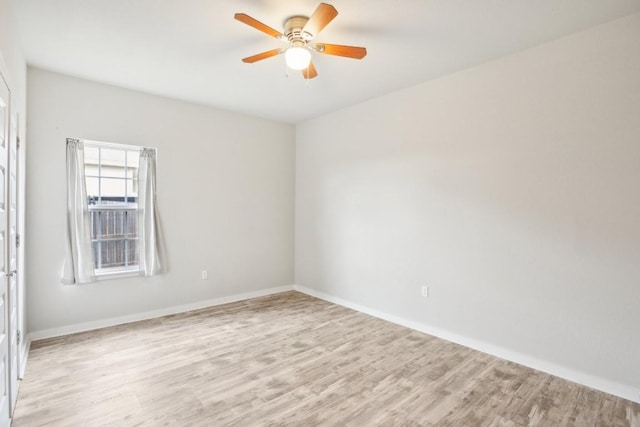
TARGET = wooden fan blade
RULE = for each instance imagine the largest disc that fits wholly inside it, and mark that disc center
(252, 22)
(310, 72)
(339, 50)
(323, 14)
(263, 55)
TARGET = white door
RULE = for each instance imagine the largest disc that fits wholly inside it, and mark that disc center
(14, 337)
(4, 268)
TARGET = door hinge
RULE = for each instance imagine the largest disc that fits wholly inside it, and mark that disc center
(17, 240)
(18, 337)
(17, 141)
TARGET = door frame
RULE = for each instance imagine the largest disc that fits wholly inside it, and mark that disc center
(14, 248)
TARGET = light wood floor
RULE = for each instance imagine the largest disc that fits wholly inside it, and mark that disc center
(290, 359)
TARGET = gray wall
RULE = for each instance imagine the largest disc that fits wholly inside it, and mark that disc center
(511, 189)
(225, 192)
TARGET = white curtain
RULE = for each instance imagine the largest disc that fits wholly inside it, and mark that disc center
(78, 266)
(150, 244)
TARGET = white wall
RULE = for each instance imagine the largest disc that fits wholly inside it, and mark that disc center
(14, 69)
(225, 192)
(511, 189)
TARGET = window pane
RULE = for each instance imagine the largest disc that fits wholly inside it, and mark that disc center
(132, 246)
(112, 224)
(113, 162)
(112, 191)
(96, 255)
(112, 253)
(112, 171)
(115, 252)
(132, 190)
(110, 229)
(131, 224)
(91, 170)
(133, 158)
(95, 224)
(108, 254)
(132, 173)
(91, 160)
(103, 226)
(93, 188)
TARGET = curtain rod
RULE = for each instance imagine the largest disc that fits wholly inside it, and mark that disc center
(111, 144)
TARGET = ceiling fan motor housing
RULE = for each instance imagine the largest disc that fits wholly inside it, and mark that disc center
(293, 30)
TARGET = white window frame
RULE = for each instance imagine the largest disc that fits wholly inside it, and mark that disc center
(112, 272)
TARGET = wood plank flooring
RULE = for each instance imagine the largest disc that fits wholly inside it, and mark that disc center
(290, 359)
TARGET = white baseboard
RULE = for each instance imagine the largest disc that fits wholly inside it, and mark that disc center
(624, 391)
(103, 323)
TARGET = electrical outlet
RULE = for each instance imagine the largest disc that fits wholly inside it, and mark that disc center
(205, 275)
(425, 291)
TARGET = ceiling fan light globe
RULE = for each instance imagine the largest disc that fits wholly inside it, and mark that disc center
(297, 58)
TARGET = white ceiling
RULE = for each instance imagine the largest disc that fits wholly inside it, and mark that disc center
(191, 49)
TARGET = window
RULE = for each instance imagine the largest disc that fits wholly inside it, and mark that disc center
(111, 174)
(113, 222)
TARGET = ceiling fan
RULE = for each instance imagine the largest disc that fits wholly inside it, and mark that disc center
(299, 33)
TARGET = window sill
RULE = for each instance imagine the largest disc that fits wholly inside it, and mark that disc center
(117, 274)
